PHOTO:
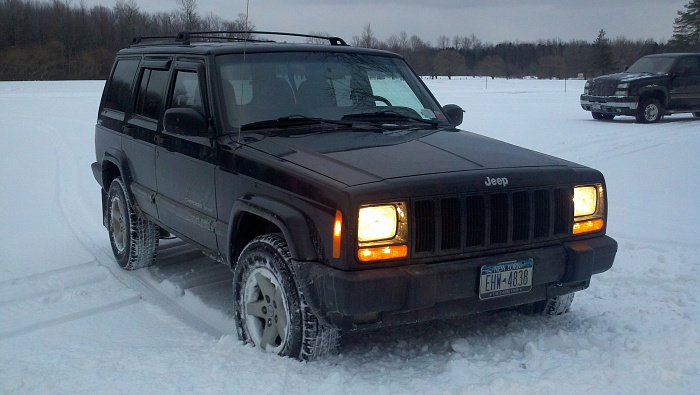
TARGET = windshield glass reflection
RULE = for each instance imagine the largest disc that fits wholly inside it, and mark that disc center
(652, 66)
(331, 86)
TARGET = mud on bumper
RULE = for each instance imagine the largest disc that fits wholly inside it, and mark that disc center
(422, 292)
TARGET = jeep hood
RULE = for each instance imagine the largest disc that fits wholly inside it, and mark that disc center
(360, 157)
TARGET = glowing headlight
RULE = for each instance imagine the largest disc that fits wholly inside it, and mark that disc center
(382, 232)
(377, 223)
(585, 200)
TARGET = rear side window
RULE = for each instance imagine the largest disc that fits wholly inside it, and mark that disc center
(119, 91)
(688, 67)
(149, 102)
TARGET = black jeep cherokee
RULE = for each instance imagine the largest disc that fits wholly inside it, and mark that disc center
(654, 86)
(337, 189)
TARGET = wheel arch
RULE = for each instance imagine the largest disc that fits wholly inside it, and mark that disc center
(253, 216)
(657, 92)
(115, 164)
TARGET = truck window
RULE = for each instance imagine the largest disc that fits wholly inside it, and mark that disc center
(118, 93)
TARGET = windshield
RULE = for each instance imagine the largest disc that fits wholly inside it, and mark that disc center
(652, 65)
(325, 85)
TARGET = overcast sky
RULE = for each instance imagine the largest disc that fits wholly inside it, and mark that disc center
(491, 21)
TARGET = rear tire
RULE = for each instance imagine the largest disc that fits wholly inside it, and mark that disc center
(557, 305)
(650, 111)
(134, 239)
(269, 310)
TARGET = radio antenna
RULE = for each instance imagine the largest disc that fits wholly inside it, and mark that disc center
(245, 43)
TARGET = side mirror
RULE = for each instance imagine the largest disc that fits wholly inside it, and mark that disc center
(454, 114)
(185, 121)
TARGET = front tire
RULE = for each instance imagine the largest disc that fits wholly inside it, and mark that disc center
(600, 115)
(269, 311)
(650, 111)
(134, 239)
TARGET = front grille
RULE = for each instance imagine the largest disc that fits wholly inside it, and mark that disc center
(464, 223)
(602, 87)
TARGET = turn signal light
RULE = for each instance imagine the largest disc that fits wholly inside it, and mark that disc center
(370, 254)
(588, 226)
(337, 233)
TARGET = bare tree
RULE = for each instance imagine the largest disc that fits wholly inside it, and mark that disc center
(443, 42)
(212, 22)
(367, 39)
(188, 14)
(449, 63)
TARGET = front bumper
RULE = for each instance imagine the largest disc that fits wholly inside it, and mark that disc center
(610, 104)
(422, 292)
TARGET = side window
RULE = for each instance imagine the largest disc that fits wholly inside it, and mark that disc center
(118, 93)
(688, 67)
(187, 92)
(150, 99)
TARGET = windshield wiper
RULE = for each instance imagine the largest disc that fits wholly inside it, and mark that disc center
(291, 121)
(388, 115)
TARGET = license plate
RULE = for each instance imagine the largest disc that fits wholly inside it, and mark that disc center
(597, 107)
(505, 278)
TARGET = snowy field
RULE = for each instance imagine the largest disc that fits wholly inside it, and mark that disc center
(71, 322)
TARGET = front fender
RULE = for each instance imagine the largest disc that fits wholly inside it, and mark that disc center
(296, 228)
(653, 91)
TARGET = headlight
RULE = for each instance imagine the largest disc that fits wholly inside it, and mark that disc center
(588, 209)
(376, 223)
(585, 201)
(587, 87)
(622, 89)
(382, 232)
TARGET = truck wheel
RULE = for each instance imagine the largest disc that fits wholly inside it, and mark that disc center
(269, 311)
(134, 239)
(553, 306)
(650, 111)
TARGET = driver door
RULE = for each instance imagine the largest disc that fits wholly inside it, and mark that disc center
(185, 166)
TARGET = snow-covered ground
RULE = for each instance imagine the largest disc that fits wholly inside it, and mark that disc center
(71, 322)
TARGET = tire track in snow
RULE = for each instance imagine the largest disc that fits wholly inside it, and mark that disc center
(206, 312)
(618, 145)
(42, 283)
(48, 321)
(50, 298)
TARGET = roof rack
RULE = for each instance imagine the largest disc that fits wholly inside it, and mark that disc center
(185, 38)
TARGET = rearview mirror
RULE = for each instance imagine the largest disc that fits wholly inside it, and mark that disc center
(185, 121)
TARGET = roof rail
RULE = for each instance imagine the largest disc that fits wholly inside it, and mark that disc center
(154, 40)
(185, 38)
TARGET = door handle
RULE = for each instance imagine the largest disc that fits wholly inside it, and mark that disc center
(128, 130)
(161, 140)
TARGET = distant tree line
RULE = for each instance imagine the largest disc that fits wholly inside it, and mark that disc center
(49, 40)
(54, 40)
